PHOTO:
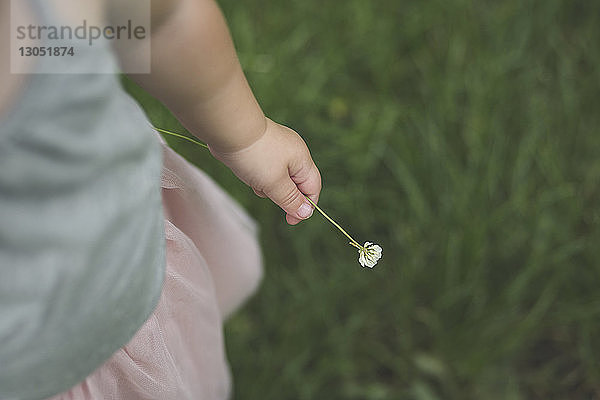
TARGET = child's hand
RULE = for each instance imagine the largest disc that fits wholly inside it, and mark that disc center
(278, 165)
(207, 91)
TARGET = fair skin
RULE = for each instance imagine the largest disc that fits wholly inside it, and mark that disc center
(10, 84)
(195, 72)
(208, 92)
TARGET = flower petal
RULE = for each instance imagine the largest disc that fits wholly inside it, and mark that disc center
(372, 254)
(361, 258)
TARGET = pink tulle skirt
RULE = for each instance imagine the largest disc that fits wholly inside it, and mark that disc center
(213, 265)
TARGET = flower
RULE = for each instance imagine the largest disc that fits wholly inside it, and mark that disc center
(369, 254)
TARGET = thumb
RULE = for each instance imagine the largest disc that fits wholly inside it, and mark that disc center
(287, 196)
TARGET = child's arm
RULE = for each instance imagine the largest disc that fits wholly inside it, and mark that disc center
(196, 73)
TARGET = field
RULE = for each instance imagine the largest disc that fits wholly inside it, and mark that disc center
(462, 136)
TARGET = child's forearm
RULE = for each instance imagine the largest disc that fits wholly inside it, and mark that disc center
(196, 73)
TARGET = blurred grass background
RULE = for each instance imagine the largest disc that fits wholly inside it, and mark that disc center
(463, 136)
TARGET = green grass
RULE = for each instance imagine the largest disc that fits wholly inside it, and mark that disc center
(462, 136)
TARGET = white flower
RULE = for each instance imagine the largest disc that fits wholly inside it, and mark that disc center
(369, 254)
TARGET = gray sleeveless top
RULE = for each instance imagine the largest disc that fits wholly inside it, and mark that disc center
(82, 253)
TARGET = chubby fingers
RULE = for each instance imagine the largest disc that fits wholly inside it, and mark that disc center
(310, 185)
(289, 193)
(287, 196)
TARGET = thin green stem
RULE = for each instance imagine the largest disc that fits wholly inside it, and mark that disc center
(352, 241)
(180, 136)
